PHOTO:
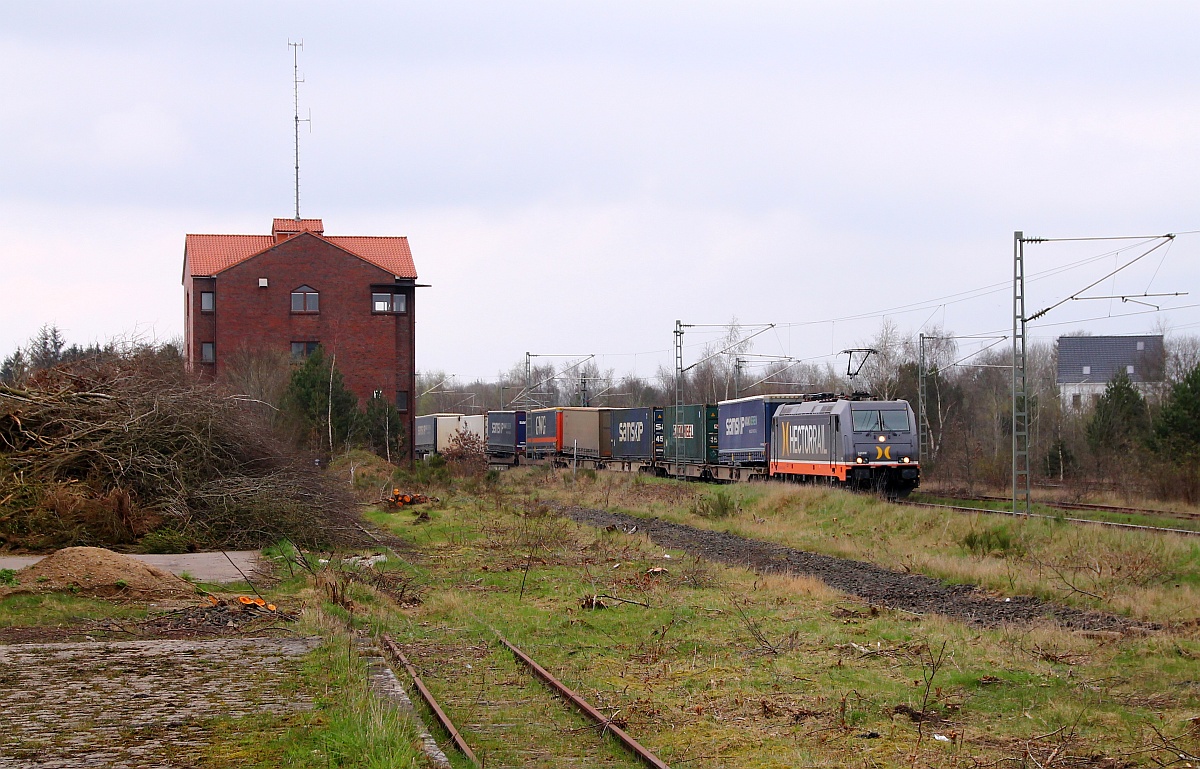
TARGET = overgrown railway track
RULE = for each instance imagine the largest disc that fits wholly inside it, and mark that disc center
(604, 724)
(1069, 519)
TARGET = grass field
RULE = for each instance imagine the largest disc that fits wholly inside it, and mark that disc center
(711, 666)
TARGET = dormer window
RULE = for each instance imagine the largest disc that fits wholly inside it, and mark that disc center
(305, 299)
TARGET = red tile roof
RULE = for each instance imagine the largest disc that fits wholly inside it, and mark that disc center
(207, 255)
(298, 225)
(389, 253)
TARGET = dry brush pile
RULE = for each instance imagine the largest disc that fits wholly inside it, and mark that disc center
(129, 451)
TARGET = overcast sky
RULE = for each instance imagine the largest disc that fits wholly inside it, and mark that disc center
(575, 177)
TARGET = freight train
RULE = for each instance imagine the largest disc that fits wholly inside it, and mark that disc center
(854, 441)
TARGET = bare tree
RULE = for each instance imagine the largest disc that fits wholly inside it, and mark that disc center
(880, 375)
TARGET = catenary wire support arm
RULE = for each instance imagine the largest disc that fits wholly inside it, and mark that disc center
(1131, 298)
(680, 370)
(774, 374)
(436, 386)
(725, 350)
(529, 388)
(1165, 239)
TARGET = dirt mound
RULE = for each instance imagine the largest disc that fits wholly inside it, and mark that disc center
(99, 572)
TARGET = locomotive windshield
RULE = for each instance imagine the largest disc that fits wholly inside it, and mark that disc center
(874, 421)
(895, 420)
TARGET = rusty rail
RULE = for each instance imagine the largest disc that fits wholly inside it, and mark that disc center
(426, 695)
(1086, 521)
(579, 702)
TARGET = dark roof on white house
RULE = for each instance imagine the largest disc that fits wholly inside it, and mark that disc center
(1096, 359)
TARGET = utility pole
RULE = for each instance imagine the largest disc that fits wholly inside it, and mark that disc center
(679, 362)
(922, 414)
(1020, 396)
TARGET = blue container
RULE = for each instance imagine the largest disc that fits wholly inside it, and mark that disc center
(505, 433)
(744, 428)
(544, 433)
(636, 433)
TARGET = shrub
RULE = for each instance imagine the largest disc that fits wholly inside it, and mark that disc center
(466, 455)
(719, 504)
(166, 540)
(996, 540)
(429, 472)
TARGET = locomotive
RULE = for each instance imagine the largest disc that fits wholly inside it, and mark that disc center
(855, 441)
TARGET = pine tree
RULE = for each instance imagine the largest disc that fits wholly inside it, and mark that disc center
(1120, 422)
(46, 347)
(318, 400)
(1176, 434)
(15, 368)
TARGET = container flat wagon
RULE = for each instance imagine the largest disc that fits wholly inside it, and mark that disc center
(636, 436)
(506, 437)
(586, 433)
(543, 433)
(690, 441)
(432, 433)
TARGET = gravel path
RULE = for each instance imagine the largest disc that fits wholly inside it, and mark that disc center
(872, 583)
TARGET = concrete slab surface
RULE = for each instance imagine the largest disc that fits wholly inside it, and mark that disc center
(205, 567)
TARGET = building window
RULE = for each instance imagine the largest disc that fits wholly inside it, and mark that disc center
(386, 302)
(207, 301)
(1076, 401)
(1141, 346)
(304, 349)
(1129, 369)
(402, 400)
(1087, 369)
(305, 299)
(208, 352)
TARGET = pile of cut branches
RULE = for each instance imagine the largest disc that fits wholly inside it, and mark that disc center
(125, 451)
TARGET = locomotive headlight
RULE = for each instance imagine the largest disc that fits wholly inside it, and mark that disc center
(861, 459)
(906, 460)
(882, 438)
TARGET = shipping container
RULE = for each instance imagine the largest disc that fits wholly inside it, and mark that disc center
(476, 425)
(690, 433)
(543, 432)
(636, 433)
(585, 433)
(506, 434)
(432, 432)
(745, 428)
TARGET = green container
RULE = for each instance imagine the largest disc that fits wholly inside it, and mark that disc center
(690, 433)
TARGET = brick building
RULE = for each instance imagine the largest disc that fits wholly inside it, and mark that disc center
(297, 288)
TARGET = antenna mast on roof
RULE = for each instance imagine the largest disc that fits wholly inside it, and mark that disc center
(296, 81)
